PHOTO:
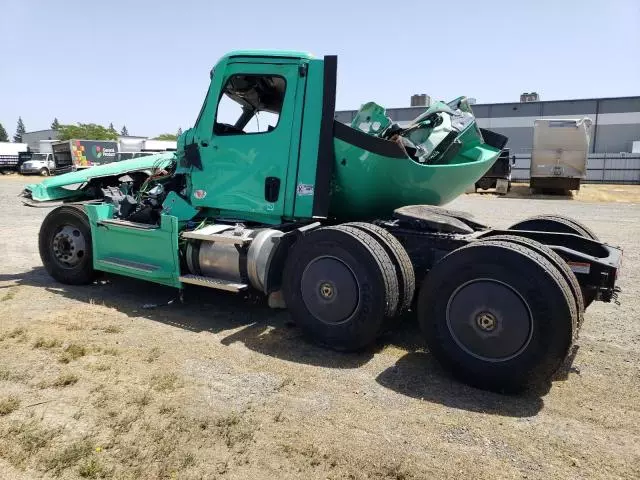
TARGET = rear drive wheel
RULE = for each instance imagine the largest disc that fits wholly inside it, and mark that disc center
(560, 224)
(485, 183)
(554, 223)
(558, 262)
(65, 246)
(339, 284)
(399, 257)
(498, 315)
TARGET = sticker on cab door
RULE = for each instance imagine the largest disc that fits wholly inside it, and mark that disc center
(304, 190)
(200, 194)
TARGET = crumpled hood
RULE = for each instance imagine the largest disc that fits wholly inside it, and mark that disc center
(53, 188)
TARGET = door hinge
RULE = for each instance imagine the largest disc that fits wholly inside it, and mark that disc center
(302, 69)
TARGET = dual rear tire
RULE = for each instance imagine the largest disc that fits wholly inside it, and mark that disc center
(341, 283)
(560, 224)
(501, 314)
(498, 314)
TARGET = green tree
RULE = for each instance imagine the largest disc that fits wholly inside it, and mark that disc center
(124, 132)
(20, 130)
(112, 130)
(179, 131)
(86, 131)
(3, 134)
(166, 136)
(55, 125)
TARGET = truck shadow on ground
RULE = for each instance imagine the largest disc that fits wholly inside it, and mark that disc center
(418, 375)
(271, 332)
(523, 191)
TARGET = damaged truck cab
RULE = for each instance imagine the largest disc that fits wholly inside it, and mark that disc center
(267, 192)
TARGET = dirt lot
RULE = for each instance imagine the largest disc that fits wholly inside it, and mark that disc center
(93, 385)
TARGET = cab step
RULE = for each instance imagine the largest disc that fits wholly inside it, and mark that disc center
(137, 266)
(216, 283)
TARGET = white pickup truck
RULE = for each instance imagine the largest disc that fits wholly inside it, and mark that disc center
(39, 163)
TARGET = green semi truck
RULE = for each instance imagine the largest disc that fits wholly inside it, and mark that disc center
(339, 223)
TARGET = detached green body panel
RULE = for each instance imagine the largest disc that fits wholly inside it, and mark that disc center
(367, 185)
(148, 254)
(53, 188)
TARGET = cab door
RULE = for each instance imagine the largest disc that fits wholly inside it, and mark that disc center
(244, 166)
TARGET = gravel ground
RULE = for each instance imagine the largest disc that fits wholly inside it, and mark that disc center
(94, 386)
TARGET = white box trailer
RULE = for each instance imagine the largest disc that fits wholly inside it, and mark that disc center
(160, 145)
(560, 150)
(10, 154)
(10, 148)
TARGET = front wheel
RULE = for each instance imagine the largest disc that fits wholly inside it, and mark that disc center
(44, 172)
(65, 246)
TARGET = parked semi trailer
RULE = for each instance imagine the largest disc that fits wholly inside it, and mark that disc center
(559, 157)
(339, 224)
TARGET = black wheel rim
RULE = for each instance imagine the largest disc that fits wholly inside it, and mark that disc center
(489, 320)
(69, 246)
(330, 290)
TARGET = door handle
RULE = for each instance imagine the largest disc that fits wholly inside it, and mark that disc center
(204, 143)
(271, 189)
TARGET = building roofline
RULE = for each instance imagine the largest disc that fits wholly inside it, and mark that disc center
(629, 97)
(43, 130)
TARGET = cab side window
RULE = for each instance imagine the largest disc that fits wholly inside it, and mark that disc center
(250, 104)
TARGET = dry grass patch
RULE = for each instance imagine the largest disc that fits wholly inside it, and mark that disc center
(166, 409)
(64, 380)
(235, 429)
(141, 399)
(114, 352)
(67, 456)
(20, 441)
(100, 367)
(72, 352)
(8, 375)
(48, 344)
(8, 405)
(91, 468)
(74, 327)
(19, 334)
(165, 382)
(112, 329)
(11, 293)
(153, 355)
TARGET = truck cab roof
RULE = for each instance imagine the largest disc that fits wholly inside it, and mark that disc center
(268, 53)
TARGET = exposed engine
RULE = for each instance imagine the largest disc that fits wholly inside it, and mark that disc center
(141, 201)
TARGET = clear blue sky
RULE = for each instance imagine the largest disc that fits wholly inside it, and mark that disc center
(146, 65)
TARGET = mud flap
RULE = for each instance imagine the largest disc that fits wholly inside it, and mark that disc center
(502, 186)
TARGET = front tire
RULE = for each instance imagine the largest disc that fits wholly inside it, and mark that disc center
(65, 246)
(498, 315)
(44, 172)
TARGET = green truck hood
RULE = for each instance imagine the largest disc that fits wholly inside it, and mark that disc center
(54, 188)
